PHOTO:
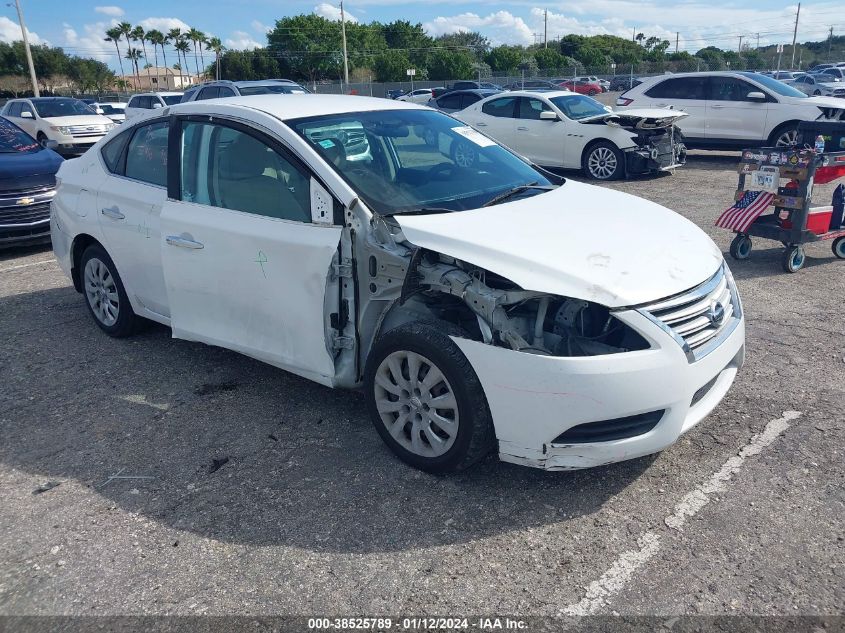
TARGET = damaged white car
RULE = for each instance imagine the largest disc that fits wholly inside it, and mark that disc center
(480, 307)
(573, 131)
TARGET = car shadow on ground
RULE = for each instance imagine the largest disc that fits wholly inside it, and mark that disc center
(240, 451)
(18, 252)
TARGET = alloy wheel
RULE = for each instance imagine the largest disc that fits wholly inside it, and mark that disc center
(602, 163)
(416, 404)
(787, 138)
(101, 292)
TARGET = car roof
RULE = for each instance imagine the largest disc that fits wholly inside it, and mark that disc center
(543, 93)
(472, 91)
(163, 93)
(295, 106)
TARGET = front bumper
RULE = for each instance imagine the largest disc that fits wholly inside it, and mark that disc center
(643, 160)
(534, 399)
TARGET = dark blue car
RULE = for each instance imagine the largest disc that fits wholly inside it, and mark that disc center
(27, 185)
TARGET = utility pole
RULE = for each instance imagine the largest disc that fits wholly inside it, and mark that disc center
(546, 28)
(35, 90)
(343, 33)
(739, 50)
(634, 35)
(677, 39)
(829, 43)
(795, 36)
(758, 41)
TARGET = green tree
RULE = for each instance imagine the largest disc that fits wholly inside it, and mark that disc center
(444, 65)
(505, 58)
(390, 65)
(113, 35)
(548, 58)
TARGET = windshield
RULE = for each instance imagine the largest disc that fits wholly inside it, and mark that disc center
(171, 99)
(774, 85)
(578, 106)
(410, 160)
(61, 107)
(288, 89)
(14, 140)
(111, 109)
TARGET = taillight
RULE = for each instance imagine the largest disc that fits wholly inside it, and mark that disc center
(622, 101)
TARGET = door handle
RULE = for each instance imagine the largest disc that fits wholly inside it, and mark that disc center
(522, 128)
(184, 242)
(716, 106)
(113, 213)
(480, 125)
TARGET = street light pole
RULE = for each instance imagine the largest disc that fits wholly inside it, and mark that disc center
(35, 90)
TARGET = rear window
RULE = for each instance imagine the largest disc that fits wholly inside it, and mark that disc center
(14, 140)
(172, 99)
(680, 88)
(503, 107)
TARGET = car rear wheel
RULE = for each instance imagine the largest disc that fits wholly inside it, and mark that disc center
(603, 161)
(425, 399)
(104, 293)
(42, 139)
(784, 136)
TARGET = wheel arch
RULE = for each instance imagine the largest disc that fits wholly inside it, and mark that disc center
(593, 142)
(779, 127)
(80, 243)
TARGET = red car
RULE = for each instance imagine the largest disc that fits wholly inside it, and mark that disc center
(582, 87)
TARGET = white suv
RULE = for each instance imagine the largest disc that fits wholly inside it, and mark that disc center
(733, 109)
(71, 123)
(144, 102)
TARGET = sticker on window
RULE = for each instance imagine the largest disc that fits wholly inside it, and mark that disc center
(473, 135)
(326, 143)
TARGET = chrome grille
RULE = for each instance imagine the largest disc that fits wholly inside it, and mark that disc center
(87, 130)
(25, 207)
(698, 318)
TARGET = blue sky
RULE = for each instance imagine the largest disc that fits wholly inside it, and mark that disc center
(78, 26)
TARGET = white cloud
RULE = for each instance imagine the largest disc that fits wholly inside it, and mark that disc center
(164, 24)
(502, 27)
(91, 42)
(260, 28)
(11, 32)
(331, 12)
(241, 40)
(110, 10)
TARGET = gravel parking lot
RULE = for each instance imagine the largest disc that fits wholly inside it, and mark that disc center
(247, 490)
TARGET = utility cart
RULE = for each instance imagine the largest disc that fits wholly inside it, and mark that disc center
(793, 220)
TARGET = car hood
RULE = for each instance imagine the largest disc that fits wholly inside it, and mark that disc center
(639, 118)
(579, 241)
(831, 107)
(82, 119)
(31, 169)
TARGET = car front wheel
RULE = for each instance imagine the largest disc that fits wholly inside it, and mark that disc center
(104, 293)
(425, 399)
(603, 161)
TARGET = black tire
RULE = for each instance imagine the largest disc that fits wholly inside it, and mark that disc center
(41, 138)
(126, 321)
(475, 436)
(741, 247)
(838, 247)
(597, 151)
(780, 131)
(793, 259)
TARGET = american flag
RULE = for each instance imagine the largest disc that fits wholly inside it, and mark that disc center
(745, 210)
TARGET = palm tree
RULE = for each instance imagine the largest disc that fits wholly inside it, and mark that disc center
(113, 35)
(125, 30)
(195, 36)
(217, 47)
(138, 35)
(183, 47)
(134, 56)
(156, 38)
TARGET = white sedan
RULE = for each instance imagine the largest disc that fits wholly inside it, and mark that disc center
(420, 95)
(480, 308)
(573, 131)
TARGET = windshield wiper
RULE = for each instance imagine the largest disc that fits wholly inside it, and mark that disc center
(512, 192)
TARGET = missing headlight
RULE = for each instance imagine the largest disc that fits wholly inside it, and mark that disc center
(588, 329)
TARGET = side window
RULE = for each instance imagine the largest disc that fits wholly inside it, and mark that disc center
(468, 99)
(730, 89)
(680, 88)
(112, 153)
(227, 168)
(145, 102)
(531, 108)
(453, 102)
(225, 92)
(25, 107)
(146, 156)
(503, 107)
(15, 109)
(208, 93)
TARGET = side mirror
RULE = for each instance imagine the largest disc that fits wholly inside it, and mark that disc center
(756, 96)
(548, 115)
(50, 144)
(98, 110)
(26, 115)
(156, 105)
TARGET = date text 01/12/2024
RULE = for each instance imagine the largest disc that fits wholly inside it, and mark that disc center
(416, 624)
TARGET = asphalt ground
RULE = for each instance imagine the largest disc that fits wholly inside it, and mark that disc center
(251, 491)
